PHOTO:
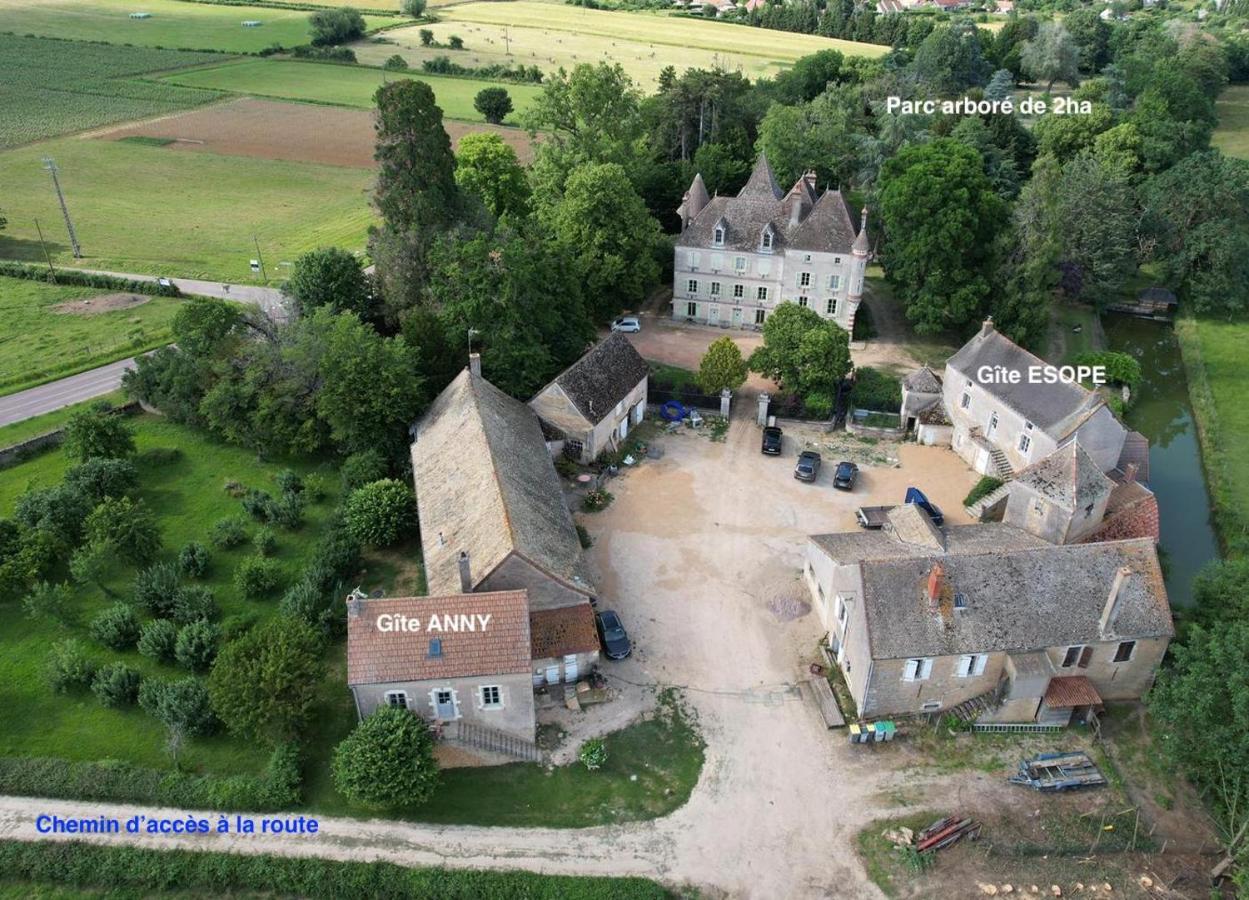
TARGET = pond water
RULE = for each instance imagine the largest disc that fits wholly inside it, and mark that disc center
(1163, 414)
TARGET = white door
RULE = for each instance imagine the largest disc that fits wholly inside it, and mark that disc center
(570, 668)
(444, 705)
(992, 424)
(737, 317)
(624, 428)
(639, 412)
(713, 315)
(552, 674)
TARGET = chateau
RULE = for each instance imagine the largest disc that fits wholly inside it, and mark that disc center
(738, 258)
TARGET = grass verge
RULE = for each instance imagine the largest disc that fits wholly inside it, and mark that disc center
(29, 428)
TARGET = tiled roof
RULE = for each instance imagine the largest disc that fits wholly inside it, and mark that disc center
(1066, 691)
(923, 381)
(602, 377)
(485, 484)
(563, 631)
(499, 647)
(1068, 477)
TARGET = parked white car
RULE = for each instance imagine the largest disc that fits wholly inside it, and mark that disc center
(628, 324)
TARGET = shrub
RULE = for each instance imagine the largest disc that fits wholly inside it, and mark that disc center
(193, 560)
(395, 63)
(158, 640)
(387, 760)
(194, 603)
(156, 589)
(818, 405)
(257, 577)
(288, 511)
(332, 54)
(127, 526)
(259, 505)
(336, 26)
(197, 646)
(413, 8)
(100, 478)
(722, 366)
(362, 468)
(493, 103)
(94, 433)
(265, 683)
(875, 390)
(593, 754)
(1121, 368)
(68, 667)
(117, 685)
(307, 603)
(337, 553)
(61, 511)
(227, 533)
(583, 537)
(597, 500)
(48, 601)
(265, 542)
(567, 467)
(116, 627)
(237, 625)
(455, 42)
(427, 37)
(983, 488)
(315, 488)
(180, 705)
(289, 482)
(381, 513)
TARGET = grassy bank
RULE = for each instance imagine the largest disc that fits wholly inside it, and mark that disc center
(29, 428)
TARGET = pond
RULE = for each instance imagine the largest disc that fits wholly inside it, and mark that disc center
(1162, 412)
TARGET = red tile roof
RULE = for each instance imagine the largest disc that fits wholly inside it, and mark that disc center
(499, 647)
(1066, 691)
(562, 632)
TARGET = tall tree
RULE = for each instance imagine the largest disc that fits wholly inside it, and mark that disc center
(951, 59)
(487, 168)
(941, 216)
(416, 168)
(330, 277)
(824, 136)
(1052, 55)
(802, 351)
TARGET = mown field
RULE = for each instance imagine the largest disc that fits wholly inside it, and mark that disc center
(342, 85)
(1232, 135)
(52, 87)
(148, 210)
(191, 26)
(49, 331)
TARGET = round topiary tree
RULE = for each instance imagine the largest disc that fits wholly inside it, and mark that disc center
(387, 761)
(117, 627)
(381, 513)
(117, 685)
(158, 640)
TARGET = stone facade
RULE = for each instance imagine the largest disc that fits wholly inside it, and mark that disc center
(513, 713)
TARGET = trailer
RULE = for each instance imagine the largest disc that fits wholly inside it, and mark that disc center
(1058, 772)
(874, 517)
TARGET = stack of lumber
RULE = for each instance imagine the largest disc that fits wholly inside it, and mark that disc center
(945, 832)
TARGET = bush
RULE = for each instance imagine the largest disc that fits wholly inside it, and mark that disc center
(100, 478)
(818, 405)
(336, 26)
(193, 560)
(427, 37)
(583, 537)
(265, 542)
(88, 279)
(257, 577)
(116, 627)
(61, 511)
(289, 482)
(331, 54)
(68, 667)
(158, 640)
(315, 488)
(593, 754)
(984, 487)
(95, 433)
(413, 8)
(228, 533)
(395, 63)
(237, 625)
(337, 554)
(117, 685)
(381, 513)
(156, 589)
(264, 684)
(127, 527)
(455, 42)
(288, 511)
(48, 601)
(307, 603)
(493, 103)
(259, 505)
(197, 646)
(597, 500)
(180, 705)
(362, 468)
(875, 391)
(194, 603)
(388, 760)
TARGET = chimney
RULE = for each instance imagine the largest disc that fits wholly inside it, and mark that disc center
(466, 574)
(809, 178)
(796, 207)
(355, 603)
(1111, 610)
(936, 581)
(474, 364)
(1129, 472)
(986, 328)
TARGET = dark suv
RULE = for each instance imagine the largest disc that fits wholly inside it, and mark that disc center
(772, 440)
(844, 478)
(612, 634)
(808, 467)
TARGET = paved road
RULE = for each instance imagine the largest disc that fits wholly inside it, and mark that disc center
(271, 300)
(64, 392)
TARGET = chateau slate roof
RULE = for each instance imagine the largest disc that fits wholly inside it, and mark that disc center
(380, 657)
(485, 484)
(1068, 477)
(1057, 409)
(562, 632)
(602, 377)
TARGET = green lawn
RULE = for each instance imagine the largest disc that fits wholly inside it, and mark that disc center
(188, 26)
(188, 496)
(1214, 359)
(1232, 135)
(144, 209)
(28, 428)
(43, 339)
(343, 85)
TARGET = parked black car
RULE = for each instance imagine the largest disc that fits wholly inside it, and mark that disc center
(772, 440)
(808, 467)
(845, 476)
(612, 635)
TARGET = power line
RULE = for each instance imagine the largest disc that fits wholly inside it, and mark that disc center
(50, 165)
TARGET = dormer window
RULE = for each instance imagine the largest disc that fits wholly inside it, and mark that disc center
(718, 237)
(765, 240)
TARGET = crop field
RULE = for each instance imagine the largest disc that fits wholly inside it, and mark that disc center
(342, 85)
(297, 132)
(191, 26)
(51, 87)
(51, 331)
(1232, 135)
(141, 208)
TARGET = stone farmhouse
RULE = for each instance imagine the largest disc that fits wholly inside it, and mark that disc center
(738, 258)
(593, 403)
(987, 620)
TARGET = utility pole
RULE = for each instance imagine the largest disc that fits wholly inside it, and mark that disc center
(50, 165)
(260, 259)
(51, 271)
(507, 43)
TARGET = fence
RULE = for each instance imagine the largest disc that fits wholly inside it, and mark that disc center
(489, 739)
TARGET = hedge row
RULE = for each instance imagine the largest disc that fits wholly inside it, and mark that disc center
(87, 279)
(112, 780)
(85, 865)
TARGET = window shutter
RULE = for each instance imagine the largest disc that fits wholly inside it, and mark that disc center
(925, 669)
(1085, 655)
(981, 661)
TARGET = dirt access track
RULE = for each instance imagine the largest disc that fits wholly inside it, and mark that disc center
(295, 132)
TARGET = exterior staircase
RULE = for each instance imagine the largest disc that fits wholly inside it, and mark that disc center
(1001, 465)
(482, 738)
(984, 508)
(973, 708)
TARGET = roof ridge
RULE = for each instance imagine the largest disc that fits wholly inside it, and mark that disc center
(494, 469)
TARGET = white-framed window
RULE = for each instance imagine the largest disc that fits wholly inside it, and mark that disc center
(766, 241)
(804, 279)
(398, 699)
(1125, 651)
(759, 316)
(1024, 443)
(761, 293)
(739, 263)
(831, 307)
(694, 259)
(715, 289)
(971, 665)
(842, 612)
(718, 240)
(1077, 655)
(834, 282)
(965, 401)
(491, 696)
(692, 285)
(739, 291)
(802, 301)
(691, 309)
(917, 669)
